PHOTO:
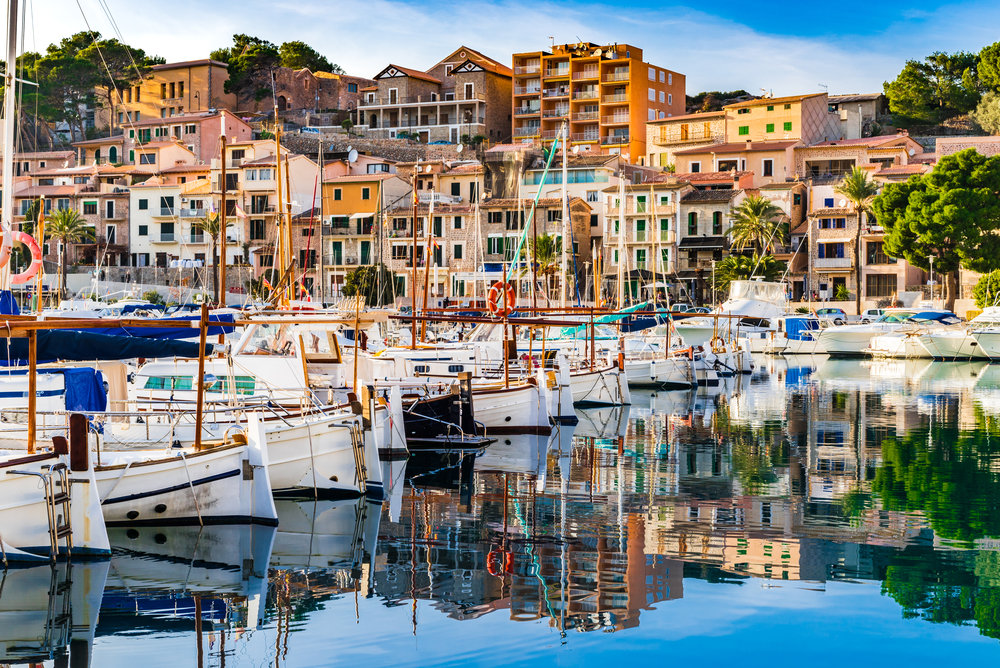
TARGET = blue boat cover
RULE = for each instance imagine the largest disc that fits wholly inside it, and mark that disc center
(76, 346)
(84, 388)
(217, 324)
(8, 305)
(795, 328)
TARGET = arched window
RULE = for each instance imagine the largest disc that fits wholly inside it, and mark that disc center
(113, 154)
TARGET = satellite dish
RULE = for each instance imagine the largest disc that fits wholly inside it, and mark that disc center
(458, 149)
(610, 53)
(842, 203)
(596, 53)
(576, 149)
(911, 152)
(352, 156)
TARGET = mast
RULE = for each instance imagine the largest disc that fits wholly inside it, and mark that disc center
(9, 120)
(655, 241)
(221, 296)
(413, 264)
(289, 257)
(280, 209)
(427, 265)
(322, 248)
(621, 240)
(563, 283)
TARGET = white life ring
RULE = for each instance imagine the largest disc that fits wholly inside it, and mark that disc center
(36, 258)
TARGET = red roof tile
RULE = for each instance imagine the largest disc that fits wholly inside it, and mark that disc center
(739, 147)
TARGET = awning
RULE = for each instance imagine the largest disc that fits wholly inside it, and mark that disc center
(355, 216)
(705, 243)
(835, 240)
(688, 274)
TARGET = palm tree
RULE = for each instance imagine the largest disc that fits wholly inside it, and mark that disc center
(860, 192)
(211, 225)
(741, 268)
(756, 223)
(67, 226)
(546, 253)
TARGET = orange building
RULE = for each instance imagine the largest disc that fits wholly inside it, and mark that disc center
(607, 94)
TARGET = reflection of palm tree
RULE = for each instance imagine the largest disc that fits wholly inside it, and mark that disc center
(211, 225)
(860, 192)
(756, 224)
(67, 226)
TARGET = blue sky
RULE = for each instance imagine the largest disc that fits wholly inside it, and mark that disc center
(788, 47)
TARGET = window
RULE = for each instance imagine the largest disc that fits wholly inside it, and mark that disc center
(744, 130)
(144, 230)
(131, 156)
(90, 208)
(147, 158)
(307, 260)
(469, 91)
(788, 126)
(264, 174)
(438, 226)
(46, 182)
(651, 114)
(797, 199)
(190, 129)
(881, 285)
(788, 106)
(400, 252)
(716, 223)
(111, 231)
(137, 113)
(143, 204)
(768, 167)
(251, 174)
(80, 179)
(670, 98)
(109, 209)
(663, 97)
(769, 127)
(744, 110)
(366, 193)
(456, 223)
(256, 229)
(456, 189)
(495, 217)
(352, 88)
(828, 202)
(456, 251)
(693, 224)
(494, 245)
(594, 222)
(265, 260)
(695, 167)
(554, 215)
(652, 74)
(832, 223)
(62, 204)
(770, 107)
(163, 112)
(652, 95)
(670, 79)
(511, 220)
(876, 254)
(831, 250)
(337, 194)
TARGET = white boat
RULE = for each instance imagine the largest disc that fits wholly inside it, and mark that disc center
(48, 508)
(325, 534)
(960, 342)
(746, 313)
(600, 387)
(852, 340)
(227, 484)
(795, 335)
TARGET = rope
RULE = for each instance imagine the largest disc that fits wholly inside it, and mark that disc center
(191, 486)
(115, 486)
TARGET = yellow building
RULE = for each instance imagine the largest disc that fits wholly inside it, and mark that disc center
(605, 93)
(172, 89)
(806, 118)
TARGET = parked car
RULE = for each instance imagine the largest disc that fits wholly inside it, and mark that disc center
(871, 315)
(837, 315)
(699, 309)
(438, 142)
(680, 308)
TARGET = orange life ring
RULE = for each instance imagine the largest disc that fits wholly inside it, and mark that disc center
(36, 258)
(498, 293)
(5, 248)
(496, 567)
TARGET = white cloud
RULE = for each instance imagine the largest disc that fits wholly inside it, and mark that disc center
(365, 35)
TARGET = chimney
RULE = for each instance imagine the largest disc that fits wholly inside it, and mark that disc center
(749, 144)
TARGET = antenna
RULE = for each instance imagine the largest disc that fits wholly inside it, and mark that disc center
(824, 87)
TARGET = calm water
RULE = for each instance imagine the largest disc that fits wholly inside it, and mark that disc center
(819, 510)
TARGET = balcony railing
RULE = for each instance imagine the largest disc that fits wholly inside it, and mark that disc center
(586, 136)
(422, 99)
(530, 131)
(164, 238)
(557, 72)
(560, 112)
(527, 90)
(833, 263)
(555, 92)
(167, 211)
(194, 213)
(529, 69)
(526, 111)
(666, 236)
(586, 74)
(617, 97)
(617, 119)
(196, 239)
(612, 140)
(671, 135)
(616, 76)
(586, 116)
(585, 95)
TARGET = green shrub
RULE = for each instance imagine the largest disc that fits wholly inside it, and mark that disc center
(987, 290)
(153, 297)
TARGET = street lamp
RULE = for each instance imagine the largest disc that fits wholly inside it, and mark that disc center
(932, 280)
(713, 283)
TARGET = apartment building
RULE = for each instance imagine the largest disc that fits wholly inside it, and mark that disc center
(171, 90)
(767, 161)
(605, 93)
(29, 163)
(101, 151)
(464, 95)
(803, 119)
(666, 136)
(706, 216)
(164, 221)
(198, 132)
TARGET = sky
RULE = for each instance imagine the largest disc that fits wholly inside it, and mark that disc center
(784, 47)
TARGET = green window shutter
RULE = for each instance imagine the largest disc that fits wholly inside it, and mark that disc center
(770, 107)
(744, 129)
(788, 126)
(770, 127)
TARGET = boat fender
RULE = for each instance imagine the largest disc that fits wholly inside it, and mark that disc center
(36, 257)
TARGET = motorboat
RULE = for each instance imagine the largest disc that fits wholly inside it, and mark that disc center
(959, 342)
(795, 335)
(747, 312)
(853, 340)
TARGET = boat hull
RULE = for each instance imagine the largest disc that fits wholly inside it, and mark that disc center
(952, 345)
(600, 387)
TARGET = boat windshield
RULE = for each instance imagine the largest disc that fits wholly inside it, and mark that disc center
(269, 339)
(896, 316)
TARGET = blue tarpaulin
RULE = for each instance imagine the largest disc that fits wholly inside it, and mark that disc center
(84, 388)
(70, 345)
(8, 305)
(217, 324)
(795, 328)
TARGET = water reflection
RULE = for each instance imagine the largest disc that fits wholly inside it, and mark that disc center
(882, 476)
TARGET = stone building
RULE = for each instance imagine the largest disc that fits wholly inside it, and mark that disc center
(465, 94)
(667, 135)
(703, 240)
(315, 91)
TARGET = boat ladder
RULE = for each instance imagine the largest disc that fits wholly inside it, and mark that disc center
(59, 619)
(55, 483)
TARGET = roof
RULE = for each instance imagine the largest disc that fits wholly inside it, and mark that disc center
(854, 97)
(416, 74)
(468, 168)
(71, 171)
(186, 169)
(700, 116)
(44, 154)
(864, 141)
(576, 161)
(304, 217)
(482, 59)
(820, 213)
(370, 88)
(739, 147)
(160, 144)
(526, 202)
(47, 191)
(362, 178)
(759, 102)
(710, 196)
(920, 168)
(503, 148)
(704, 242)
(117, 139)
(782, 185)
(325, 75)
(700, 177)
(188, 63)
(198, 187)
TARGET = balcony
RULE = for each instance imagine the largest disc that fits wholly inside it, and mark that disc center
(585, 95)
(586, 136)
(197, 239)
(164, 238)
(558, 112)
(262, 210)
(193, 213)
(167, 212)
(527, 90)
(526, 111)
(529, 69)
(557, 72)
(617, 97)
(616, 76)
(694, 265)
(529, 131)
(674, 135)
(587, 74)
(617, 119)
(667, 237)
(555, 92)
(614, 140)
(833, 263)
(586, 116)
(114, 215)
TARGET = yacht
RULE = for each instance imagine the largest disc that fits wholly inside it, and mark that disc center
(959, 342)
(795, 335)
(853, 340)
(747, 313)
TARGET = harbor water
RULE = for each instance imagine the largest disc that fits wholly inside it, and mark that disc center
(826, 511)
